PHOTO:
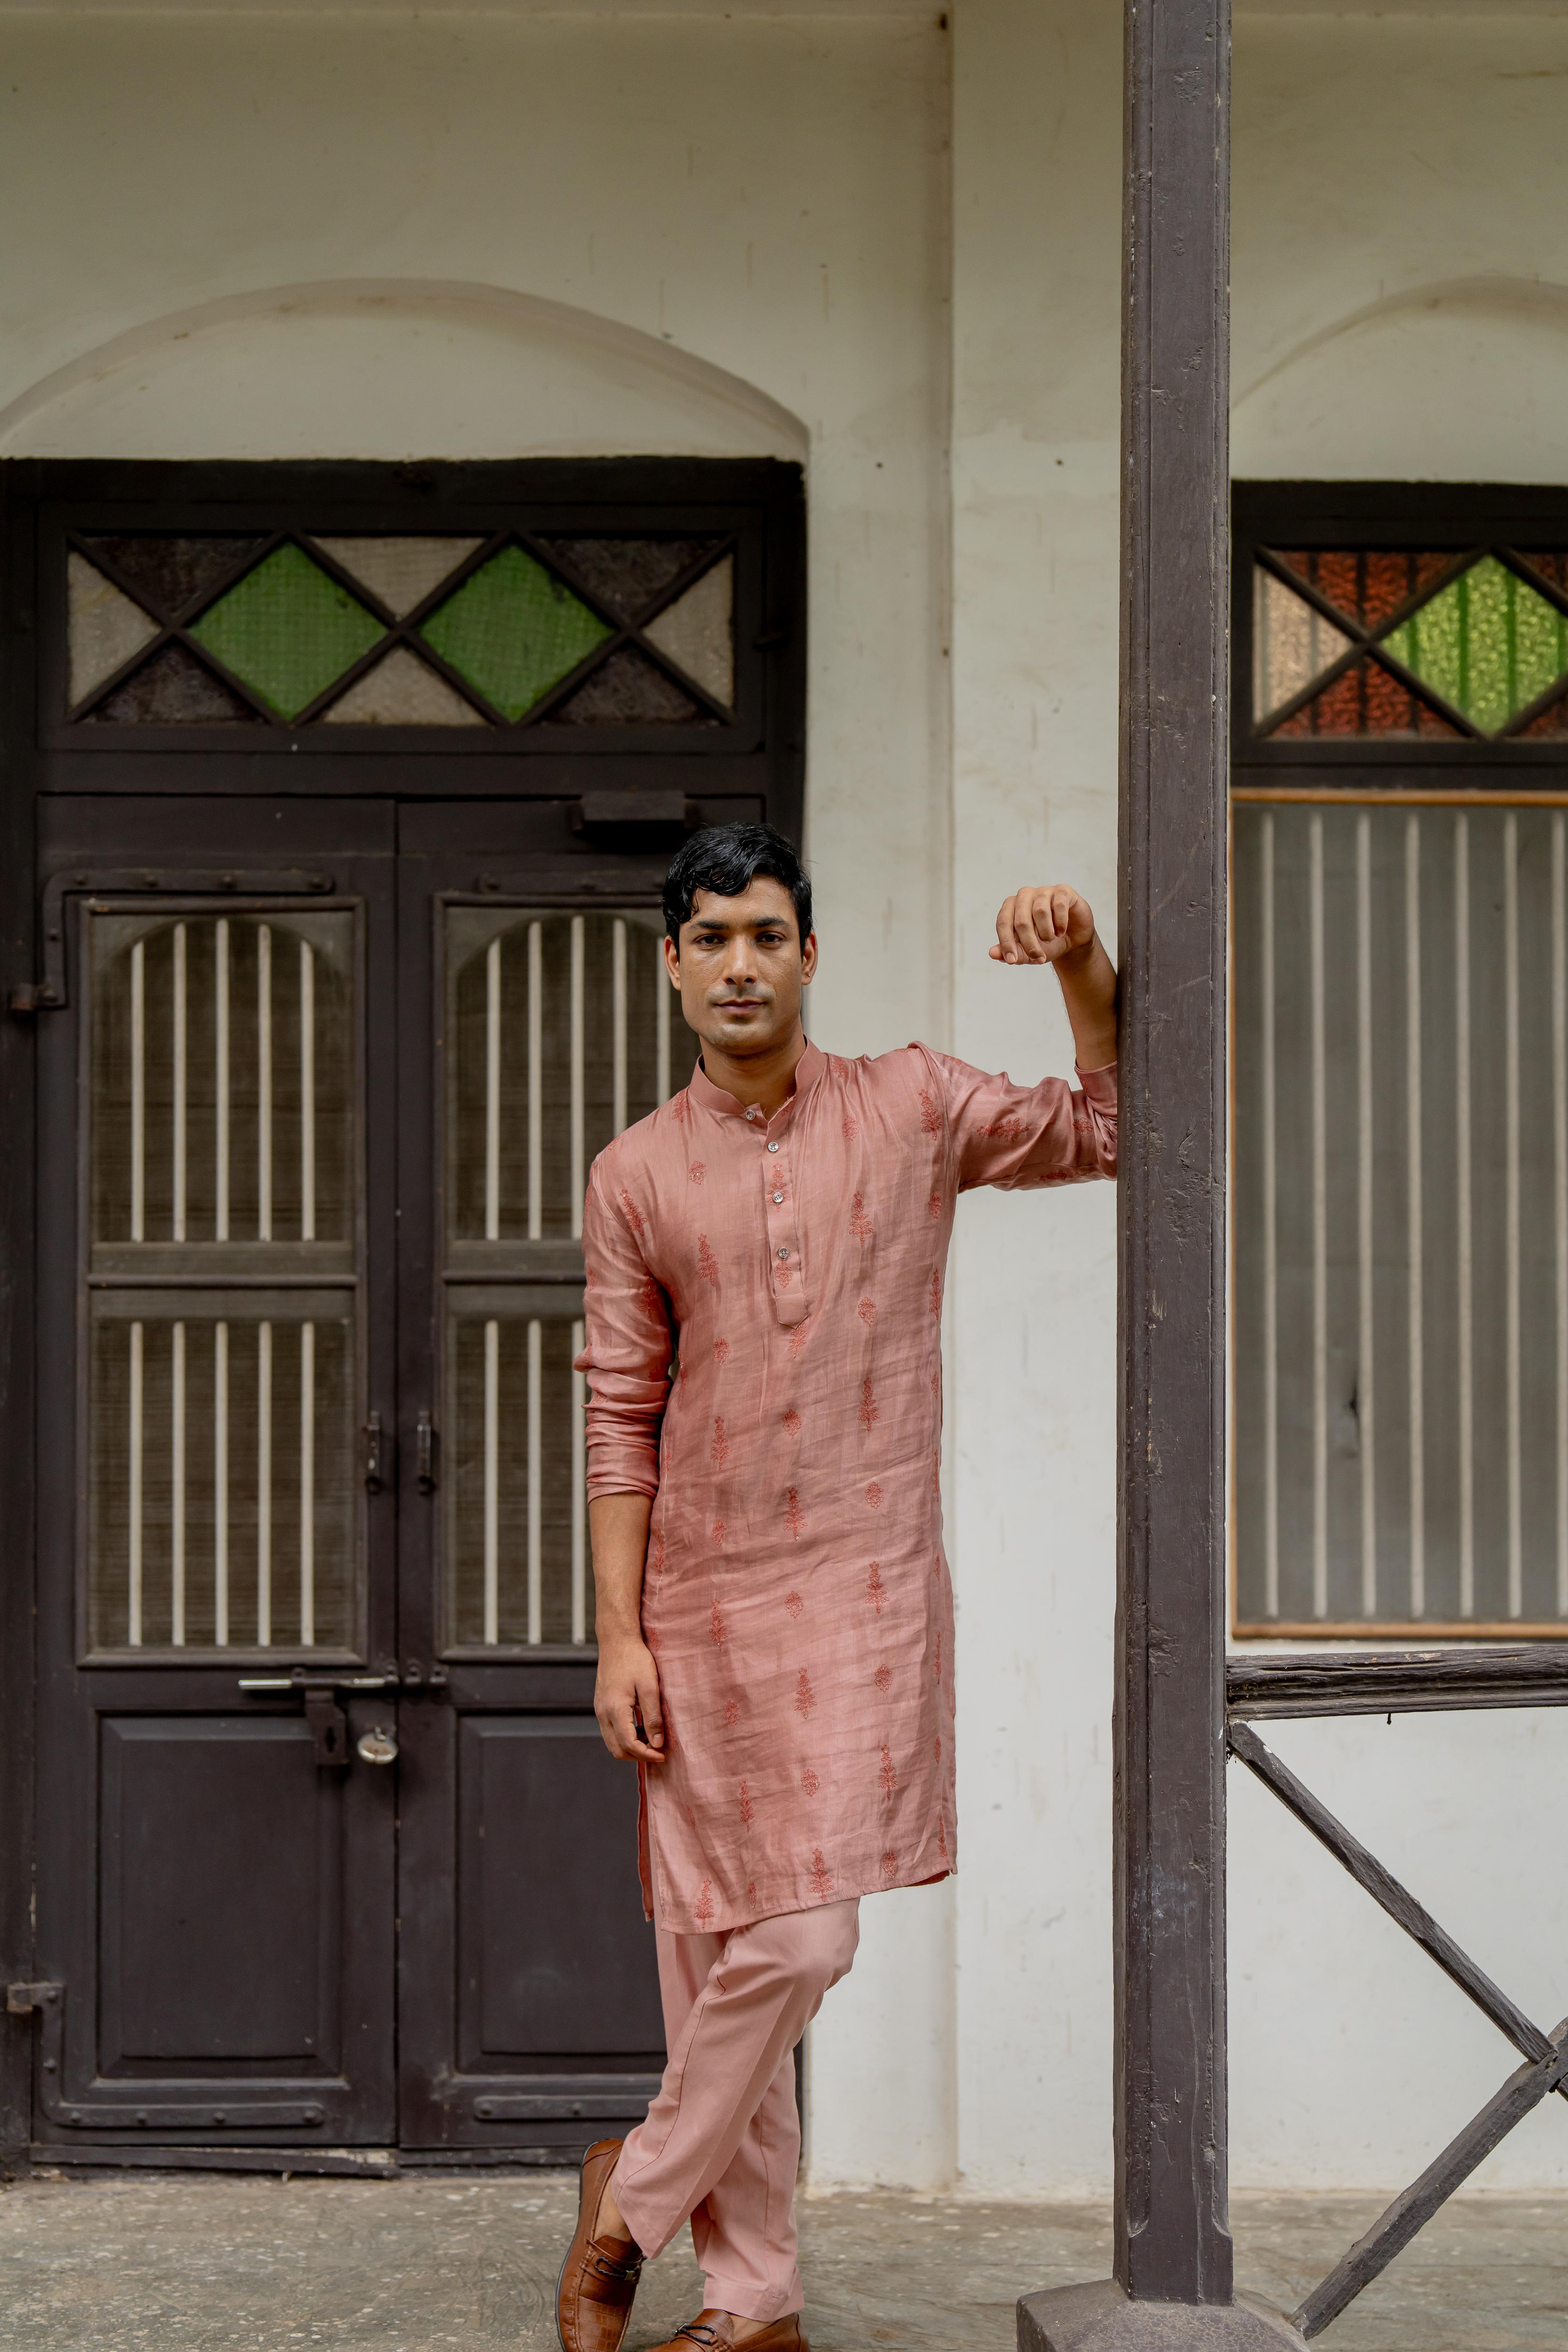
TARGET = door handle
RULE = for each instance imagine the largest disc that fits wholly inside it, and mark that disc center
(426, 1458)
(329, 1724)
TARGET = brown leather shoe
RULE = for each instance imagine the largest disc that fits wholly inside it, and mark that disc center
(599, 2276)
(714, 2331)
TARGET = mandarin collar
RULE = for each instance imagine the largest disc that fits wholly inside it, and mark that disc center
(807, 1071)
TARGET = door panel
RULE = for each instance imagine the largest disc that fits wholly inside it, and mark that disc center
(216, 1870)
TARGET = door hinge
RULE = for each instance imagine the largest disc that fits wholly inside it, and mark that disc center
(21, 2000)
(47, 993)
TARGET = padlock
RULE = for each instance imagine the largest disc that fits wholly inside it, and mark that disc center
(377, 1746)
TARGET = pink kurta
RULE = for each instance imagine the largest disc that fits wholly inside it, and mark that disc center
(796, 1597)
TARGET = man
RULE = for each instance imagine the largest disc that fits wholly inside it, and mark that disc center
(763, 1317)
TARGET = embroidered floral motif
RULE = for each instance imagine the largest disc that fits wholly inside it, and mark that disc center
(851, 1129)
(890, 1863)
(731, 1713)
(874, 1496)
(821, 1876)
(931, 1118)
(650, 1635)
(696, 1172)
(784, 1276)
(721, 1351)
(707, 1264)
(1005, 1130)
(860, 1223)
(867, 1312)
(936, 1669)
(652, 1296)
(875, 1590)
(718, 1532)
(794, 1603)
(718, 1452)
(702, 1909)
(677, 1108)
(747, 1808)
(936, 1748)
(751, 1893)
(942, 1842)
(635, 1217)
(805, 1697)
(936, 1290)
(869, 1414)
(809, 1781)
(933, 1206)
(883, 1677)
(798, 1337)
(656, 1556)
(792, 1422)
(887, 1778)
(793, 1517)
(718, 1630)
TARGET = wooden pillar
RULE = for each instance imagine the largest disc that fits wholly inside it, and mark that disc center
(1173, 2285)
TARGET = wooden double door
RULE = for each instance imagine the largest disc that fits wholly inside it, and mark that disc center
(329, 1853)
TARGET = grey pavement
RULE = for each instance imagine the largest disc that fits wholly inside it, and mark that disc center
(139, 2262)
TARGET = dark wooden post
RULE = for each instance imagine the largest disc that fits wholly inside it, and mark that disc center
(1173, 2285)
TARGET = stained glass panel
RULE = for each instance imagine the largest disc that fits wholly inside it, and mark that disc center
(173, 689)
(1368, 583)
(514, 631)
(629, 691)
(1489, 644)
(698, 632)
(1365, 700)
(401, 571)
(1292, 643)
(401, 691)
(105, 627)
(171, 573)
(627, 574)
(286, 630)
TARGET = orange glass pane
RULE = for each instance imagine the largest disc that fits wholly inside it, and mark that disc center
(1369, 584)
(1364, 699)
(1551, 726)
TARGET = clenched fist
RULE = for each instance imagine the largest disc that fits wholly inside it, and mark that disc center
(1041, 925)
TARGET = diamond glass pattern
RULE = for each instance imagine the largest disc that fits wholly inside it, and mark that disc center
(401, 571)
(401, 692)
(1292, 643)
(105, 629)
(1369, 584)
(514, 631)
(629, 691)
(173, 689)
(1364, 699)
(286, 630)
(167, 572)
(627, 574)
(698, 632)
(1489, 644)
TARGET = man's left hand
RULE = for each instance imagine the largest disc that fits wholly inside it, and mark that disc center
(1042, 925)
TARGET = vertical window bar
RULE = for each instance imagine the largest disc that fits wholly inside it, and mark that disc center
(177, 1486)
(181, 1056)
(661, 995)
(220, 1484)
(1414, 1338)
(492, 1090)
(264, 1484)
(1511, 1304)
(1270, 1241)
(579, 1171)
(493, 1485)
(1367, 1417)
(535, 1081)
(138, 1092)
(1319, 1228)
(306, 1484)
(618, 1019)
(264, 1081)
(221, 1077)
(1560, 1178)
(1465, 1269)
(133, 1634)
(306, 1092)
(579, 1490)
(535, 1485)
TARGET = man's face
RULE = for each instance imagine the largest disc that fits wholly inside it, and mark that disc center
(740, 966)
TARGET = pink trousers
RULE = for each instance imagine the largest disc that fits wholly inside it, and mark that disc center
(720, 2146)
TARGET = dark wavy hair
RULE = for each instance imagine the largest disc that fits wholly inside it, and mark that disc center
(726, 860)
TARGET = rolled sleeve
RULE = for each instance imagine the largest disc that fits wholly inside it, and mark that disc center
(626, 1316)
(1019, 1137)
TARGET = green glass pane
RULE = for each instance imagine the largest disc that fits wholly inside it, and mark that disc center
(288, 630)
(1488, 645)
(514, 630)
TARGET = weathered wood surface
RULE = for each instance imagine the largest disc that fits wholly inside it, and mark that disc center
(1411, 2210)
(1385, 1890)
(1397, 1682)
(1172, 2240)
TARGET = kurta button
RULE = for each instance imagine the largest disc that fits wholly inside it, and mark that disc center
(783, 1253)
(773, 1147)
(778, 1197)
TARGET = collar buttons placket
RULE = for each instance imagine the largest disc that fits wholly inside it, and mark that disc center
(781, 1227)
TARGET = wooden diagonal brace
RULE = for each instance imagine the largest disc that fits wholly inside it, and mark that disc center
(1397, 1900)
(1410, 2212)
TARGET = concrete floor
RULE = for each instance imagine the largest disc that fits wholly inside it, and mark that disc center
(194, 2263)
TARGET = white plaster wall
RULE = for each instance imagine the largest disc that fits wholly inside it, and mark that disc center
(261, 233)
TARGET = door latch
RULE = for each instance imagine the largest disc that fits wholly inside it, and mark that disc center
(427, 1461)
(329, 1724)
(373, 1459)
